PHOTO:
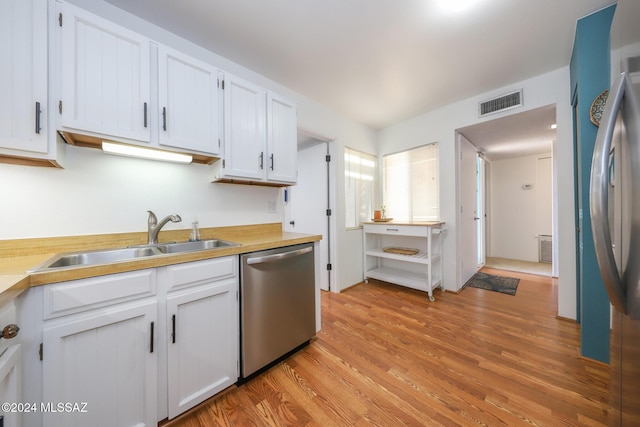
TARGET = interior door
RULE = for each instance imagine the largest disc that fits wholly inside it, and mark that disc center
(307, 202)
(468, 208)
(481, 224)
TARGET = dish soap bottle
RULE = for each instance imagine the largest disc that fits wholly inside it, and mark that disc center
(195, 232)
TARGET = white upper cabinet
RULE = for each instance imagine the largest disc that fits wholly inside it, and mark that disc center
(23, 76)
(260, 136)
(105, 77)
(188, 98)
(245, 132)
(282, 139)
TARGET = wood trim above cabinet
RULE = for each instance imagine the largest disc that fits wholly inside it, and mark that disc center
(27, 161)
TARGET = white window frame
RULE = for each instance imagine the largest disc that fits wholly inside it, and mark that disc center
(400, 205)
(361, 177)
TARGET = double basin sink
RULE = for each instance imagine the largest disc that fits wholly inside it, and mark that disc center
(107, 256)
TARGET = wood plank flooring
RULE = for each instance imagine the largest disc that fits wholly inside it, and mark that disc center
(386, 356)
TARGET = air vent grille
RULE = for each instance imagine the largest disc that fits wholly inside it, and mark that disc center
(501, 103)
(631, 64)
(545, 249)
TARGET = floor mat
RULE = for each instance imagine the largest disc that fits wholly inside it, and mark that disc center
(490, 282)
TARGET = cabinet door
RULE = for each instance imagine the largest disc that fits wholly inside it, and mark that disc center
(245, 129)
(23, 75)
(105, 77)
(282, 140)
(188, 102)
(10, 384)
(202, 344)
(105, 360)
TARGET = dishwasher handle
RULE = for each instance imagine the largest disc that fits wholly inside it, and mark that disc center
(279, 257)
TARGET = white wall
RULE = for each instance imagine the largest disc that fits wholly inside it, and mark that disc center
(440, 125)
(515, 216)
(97, 193)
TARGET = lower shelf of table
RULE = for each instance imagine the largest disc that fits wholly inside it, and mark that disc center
(404, 278)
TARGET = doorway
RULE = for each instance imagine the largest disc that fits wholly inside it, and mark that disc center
(516, 222)
(307, 205)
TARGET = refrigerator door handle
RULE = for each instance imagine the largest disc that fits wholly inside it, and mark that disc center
(600, 196)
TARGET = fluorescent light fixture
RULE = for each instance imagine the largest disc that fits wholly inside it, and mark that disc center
(144, 153)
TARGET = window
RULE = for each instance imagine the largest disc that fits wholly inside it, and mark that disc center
(411, 184)
(359, 186)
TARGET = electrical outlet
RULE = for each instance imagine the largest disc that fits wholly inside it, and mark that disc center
(271, 206)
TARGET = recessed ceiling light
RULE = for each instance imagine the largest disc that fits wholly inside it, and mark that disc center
(144, 153)
(554, 126)
(456, 5)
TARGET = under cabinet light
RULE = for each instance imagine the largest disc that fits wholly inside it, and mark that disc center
(144, 153)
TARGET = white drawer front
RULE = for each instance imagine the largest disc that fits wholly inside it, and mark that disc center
(400, 230)
(195, 273)
(85, 294)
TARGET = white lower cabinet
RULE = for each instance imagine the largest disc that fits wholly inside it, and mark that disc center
(202, 350)
(100, 368)
(125, 349)
(10, 370)
(202, 331)
(10, 385)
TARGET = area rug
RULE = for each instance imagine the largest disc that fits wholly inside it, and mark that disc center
(490, 282)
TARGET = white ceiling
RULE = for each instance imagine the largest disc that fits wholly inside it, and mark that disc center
(380, 61)
(515, 135)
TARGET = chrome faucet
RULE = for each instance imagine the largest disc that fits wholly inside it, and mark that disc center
(154, 226)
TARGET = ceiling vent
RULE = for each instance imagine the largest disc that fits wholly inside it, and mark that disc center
(501, 103)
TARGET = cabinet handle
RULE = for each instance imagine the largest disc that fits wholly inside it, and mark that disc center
(173, 329)
(393, 229)
(151, 344)
(261, 160)
(145, 114)
(271, 161)
(38, 111)
(164, 118)
(10, 331)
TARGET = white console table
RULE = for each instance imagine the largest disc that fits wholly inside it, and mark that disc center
(422, 271)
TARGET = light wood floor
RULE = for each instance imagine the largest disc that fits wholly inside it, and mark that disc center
(386, 356)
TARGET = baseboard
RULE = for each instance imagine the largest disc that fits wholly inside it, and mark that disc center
(566, 319)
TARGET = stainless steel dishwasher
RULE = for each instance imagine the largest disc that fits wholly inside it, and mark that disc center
(277, 304)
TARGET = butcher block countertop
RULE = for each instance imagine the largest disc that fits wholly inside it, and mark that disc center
(19, 256)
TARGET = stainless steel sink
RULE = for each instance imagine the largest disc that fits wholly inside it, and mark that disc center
(108, 256)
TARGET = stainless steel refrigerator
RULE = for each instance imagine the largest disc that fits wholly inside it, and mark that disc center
(615, 211)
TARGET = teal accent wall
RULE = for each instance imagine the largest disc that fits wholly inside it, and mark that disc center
(590, 75)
